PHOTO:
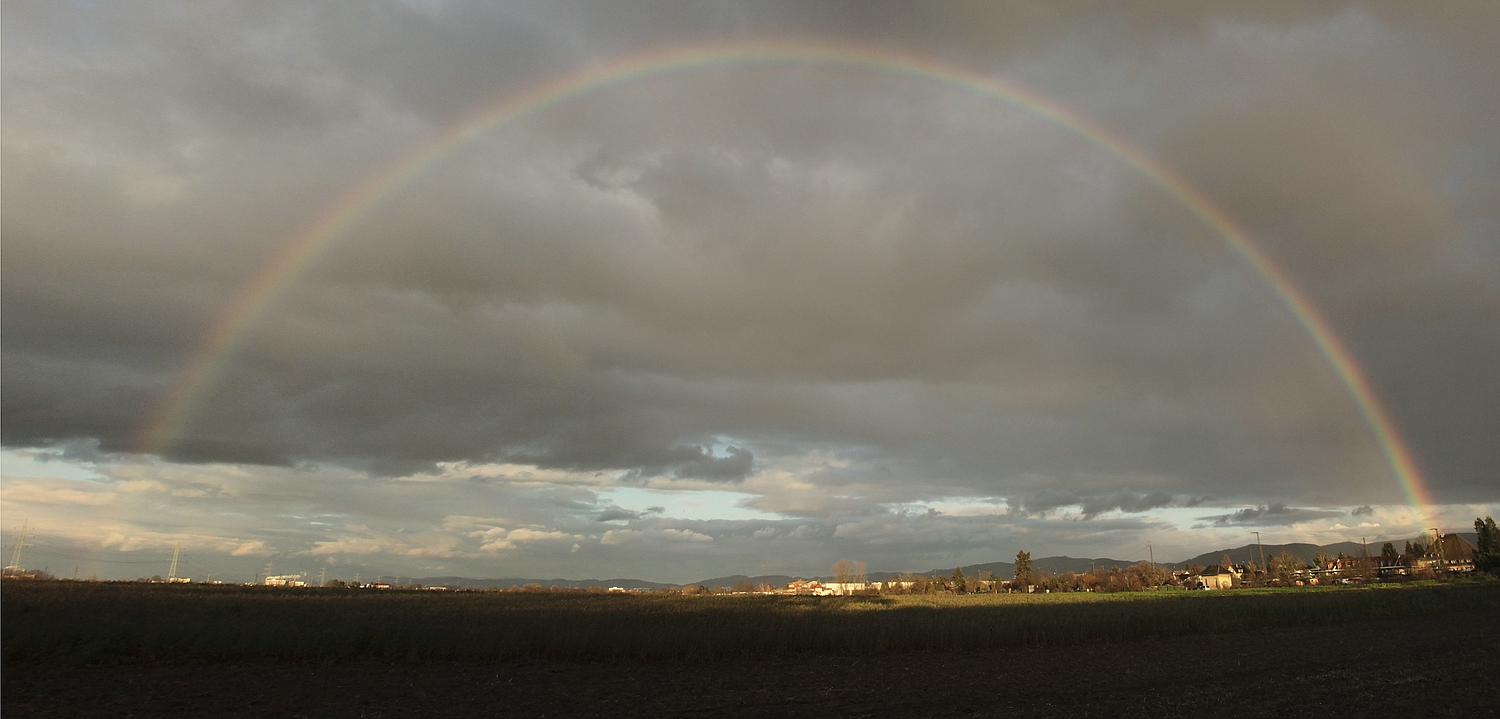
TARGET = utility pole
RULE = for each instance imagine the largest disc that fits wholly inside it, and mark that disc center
(1152, 551)
(1364, 559)
(1437, 543)
(176, 552)
(15, 558)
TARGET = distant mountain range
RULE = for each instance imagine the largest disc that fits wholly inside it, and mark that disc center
(1307, 552)
(1004, 570)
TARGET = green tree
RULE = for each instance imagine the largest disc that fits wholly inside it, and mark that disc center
(1487, 558)
(1023, 570)
(1285, 566)
(1487, 538)
(960, 585)
(1388, 551)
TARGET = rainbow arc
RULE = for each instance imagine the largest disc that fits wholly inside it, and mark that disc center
(318, 236)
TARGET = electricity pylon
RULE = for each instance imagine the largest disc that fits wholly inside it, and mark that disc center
(15, 557)
(176, 552)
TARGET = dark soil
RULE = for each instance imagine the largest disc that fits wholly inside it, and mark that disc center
(1432, 666)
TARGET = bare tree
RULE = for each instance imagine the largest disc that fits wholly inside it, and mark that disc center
(842, 570)
(846, 571)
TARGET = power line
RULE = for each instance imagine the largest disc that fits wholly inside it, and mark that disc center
(63, 554)
(180, 557)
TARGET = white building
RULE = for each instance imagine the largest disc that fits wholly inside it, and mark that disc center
(841, 588)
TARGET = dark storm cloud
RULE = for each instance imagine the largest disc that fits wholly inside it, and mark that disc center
(877, 271)
(1091, 505)
(1125, 502)
(1270, 515)
(1046, 501)
(736, 464)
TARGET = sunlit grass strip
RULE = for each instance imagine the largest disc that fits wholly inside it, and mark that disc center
(84, 622)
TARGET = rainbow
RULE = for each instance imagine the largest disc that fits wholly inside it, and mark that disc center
(314, 239)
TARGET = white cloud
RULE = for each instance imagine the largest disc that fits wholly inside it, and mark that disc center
(28, 492)
(252, 548)
(616, 537)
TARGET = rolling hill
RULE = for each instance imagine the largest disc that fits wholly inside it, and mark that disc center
(1004, 570)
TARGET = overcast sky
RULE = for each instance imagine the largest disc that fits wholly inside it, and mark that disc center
(747, 317)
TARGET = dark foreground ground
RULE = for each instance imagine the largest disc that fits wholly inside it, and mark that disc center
(1431, 666)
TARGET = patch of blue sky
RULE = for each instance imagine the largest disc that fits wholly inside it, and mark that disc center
(29, 463)
(686, 504)
(956, 505)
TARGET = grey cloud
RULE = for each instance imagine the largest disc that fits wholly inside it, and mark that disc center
(1125, 502)
(736, 463)
(1092, 505)
(81, 450)
(616, 448)
(1046, 501)
(1270, 515)
(615, 514)
(885, 289)
(1364, 511)
(818, 503)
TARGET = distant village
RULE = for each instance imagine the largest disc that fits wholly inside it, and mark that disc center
(1445, 556)
(1448, 556)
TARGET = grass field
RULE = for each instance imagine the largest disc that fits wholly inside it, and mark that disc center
(79, 622)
